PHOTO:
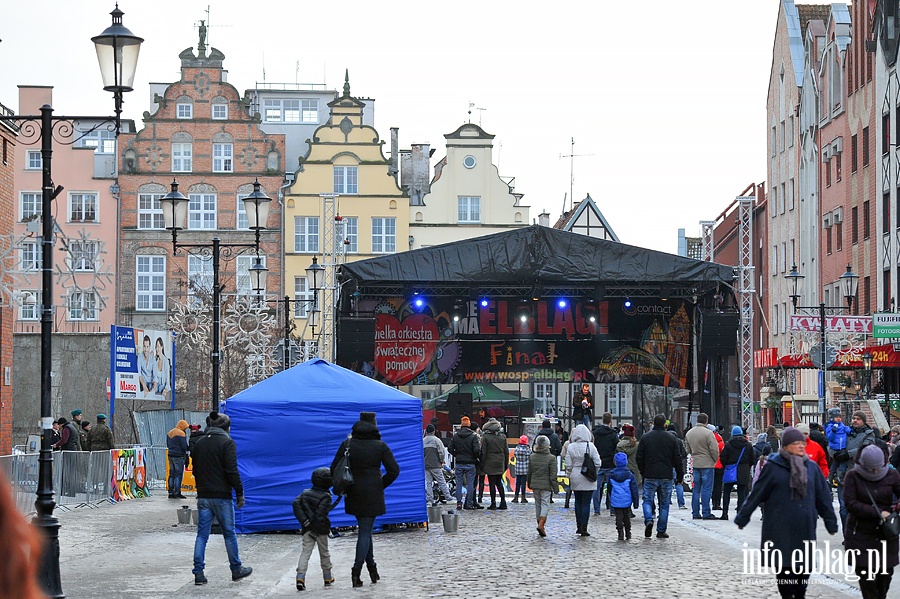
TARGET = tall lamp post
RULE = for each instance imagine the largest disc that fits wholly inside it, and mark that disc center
(849, 282)
(867, 369)
(315, 276)
(117, 53)
(175, 215)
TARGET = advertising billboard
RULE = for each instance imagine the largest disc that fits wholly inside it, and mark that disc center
(142, 364)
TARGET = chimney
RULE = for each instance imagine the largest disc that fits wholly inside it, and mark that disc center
(395, 158)
(544, 219)
(420, 183)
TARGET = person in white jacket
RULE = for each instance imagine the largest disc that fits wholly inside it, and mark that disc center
(435, 455)
(580, 442)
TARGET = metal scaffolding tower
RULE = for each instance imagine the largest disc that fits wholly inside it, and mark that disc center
(707, 229)
(746, 293)
(332, 257)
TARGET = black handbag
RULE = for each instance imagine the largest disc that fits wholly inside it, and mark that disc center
(342, 477)
(588, 467)
(888, 528)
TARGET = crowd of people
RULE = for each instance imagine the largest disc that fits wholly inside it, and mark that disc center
(79, 434)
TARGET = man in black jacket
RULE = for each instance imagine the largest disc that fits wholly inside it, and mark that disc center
(216, 473)
(465, 447)
(605, 440)
(657, 455)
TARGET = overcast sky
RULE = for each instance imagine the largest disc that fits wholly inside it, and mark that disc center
(665, 100)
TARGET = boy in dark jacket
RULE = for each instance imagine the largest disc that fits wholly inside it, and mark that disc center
(623, 494)
(311, 509)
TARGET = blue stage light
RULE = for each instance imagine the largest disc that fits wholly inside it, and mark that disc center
(484, 302)
(562, 303)
(628, 303)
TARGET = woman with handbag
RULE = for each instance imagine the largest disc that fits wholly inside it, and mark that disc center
(869, 491)
(581, 449)
(365, 498)
(737, 457)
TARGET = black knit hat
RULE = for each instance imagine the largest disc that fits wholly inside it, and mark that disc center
(218, 420)
(367, 417)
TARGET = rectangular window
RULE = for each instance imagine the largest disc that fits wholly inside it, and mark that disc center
(783, 200)
(789, 259)
(83, 208)
(351, 234)
(886, 290)
(31, 256)
(200, 279)
(30, 304)
(826, 166)
(150, 214)
(784, 318)
(346, 179)
(790, 131)
(310, 111)
(866, 291)
(886, 213)
(775, 320)
(291, 111)
(469, 209)
(244, 285)
(837, 166)
(865, 148)
(302, 297)
(384, 235)
(102, 140)
(184, 110)
(885, 133)
(33, 160)
(202, 211)
(306, 234)
(242, 222)
(82, 255)
(30, 206)
(281, 111)
(839, 236)
(182, 158)
(790, 194)
(774, 141)
(544, 398)
(866, 220)
(223, 158)
(82, 305)
(854, 154)
(782, 137)
(783, 257)
(150, 283)
(220, 112)
(775, 259)
(854, 224)
(774, 201)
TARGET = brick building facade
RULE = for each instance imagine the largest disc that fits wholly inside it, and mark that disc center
(7, 218)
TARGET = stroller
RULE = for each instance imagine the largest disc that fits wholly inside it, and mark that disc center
(450, 477)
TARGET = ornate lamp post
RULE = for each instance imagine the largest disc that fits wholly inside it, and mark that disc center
(867, 369)
(849, 282)
(117, 53)
(315, 275)
(175, 213)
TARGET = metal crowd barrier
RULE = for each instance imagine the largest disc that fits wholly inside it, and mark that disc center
(80, 478)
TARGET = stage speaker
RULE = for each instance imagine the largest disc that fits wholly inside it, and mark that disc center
(459, 404)
(718, 334)
(356, 341)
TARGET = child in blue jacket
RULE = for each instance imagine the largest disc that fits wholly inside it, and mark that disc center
(836, 431)
(623, 495)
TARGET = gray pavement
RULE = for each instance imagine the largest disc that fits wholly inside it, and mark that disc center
(136, 549)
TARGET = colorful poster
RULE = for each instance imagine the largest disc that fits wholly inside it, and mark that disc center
(129, 474)
(142, 364)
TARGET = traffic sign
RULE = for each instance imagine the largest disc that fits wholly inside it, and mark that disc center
(815, 355)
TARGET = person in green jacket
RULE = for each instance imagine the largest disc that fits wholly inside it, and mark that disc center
(542, 472)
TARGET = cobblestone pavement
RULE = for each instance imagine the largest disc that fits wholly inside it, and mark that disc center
(135, 549)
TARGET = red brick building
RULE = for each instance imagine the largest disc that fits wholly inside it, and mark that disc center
(7, 218)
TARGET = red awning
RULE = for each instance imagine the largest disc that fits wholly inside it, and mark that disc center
(883, 356)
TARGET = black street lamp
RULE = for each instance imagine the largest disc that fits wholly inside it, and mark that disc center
(175, 212)
(849, 282)
(315, 276)
(867, 369)
(117, 53)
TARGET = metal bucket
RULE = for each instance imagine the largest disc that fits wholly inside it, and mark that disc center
(195, 516)
(184, 515)
(434, 514)
(451, 522)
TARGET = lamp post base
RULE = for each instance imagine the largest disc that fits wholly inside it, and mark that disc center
(48, 573)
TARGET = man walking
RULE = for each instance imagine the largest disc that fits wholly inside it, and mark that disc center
(466, 448)
(216, 473)
(605, 440)
(657, 456)
(435, 454)
(701, 444)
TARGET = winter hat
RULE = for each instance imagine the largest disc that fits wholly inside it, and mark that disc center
(85, 424)
(627, 430)
(429, 429)
(367, 417)
(464, 421)
(791, 435)
(711, 427)
(762, 438)
(542, 444)
(218, 420)
(523, 439)
(872, 464)
(62, 421)
(803, 428)
(621, 460)
(737, 431)
(834, 412)
(76, 413)
(103, 417)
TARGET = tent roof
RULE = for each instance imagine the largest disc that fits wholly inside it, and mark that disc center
(481, 393)
(536, 253)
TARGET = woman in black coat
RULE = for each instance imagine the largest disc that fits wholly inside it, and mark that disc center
(737, 451)
(795, 494)
(870, 476)
(365, 499)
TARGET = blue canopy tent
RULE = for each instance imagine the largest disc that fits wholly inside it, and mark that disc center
(293, 422)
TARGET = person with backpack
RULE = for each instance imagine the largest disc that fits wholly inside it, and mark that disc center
(311, 508)
(736, 452)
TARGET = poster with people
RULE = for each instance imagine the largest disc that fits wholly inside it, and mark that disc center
(142, 364)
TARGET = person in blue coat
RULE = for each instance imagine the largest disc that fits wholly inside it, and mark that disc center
(836, 431)
(623, 494)
(796, 495)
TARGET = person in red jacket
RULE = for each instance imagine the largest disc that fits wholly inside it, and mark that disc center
(719, 471)
(814, 450)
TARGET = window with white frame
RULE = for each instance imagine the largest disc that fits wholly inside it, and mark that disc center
(775, 320)
(202, 211)
(242, 222)
(33, 160)
(30, 303)
(545, 396)
(220, 111)
(82, 207)
(102, 140)
(244, 285)
(150, 283)
(346, 179)
(31, 256)
(306, 234)
(384, 235)
(184, 110)
(469, 209)
(30, 205)
(351, 234)
(223, 158)
(81, 304)
(150, 214)
(784, 321)
(182, 157)
(616, 402)
(281, 111)
(82, 255)
(302, 297)
(200, 279)
(309, 111)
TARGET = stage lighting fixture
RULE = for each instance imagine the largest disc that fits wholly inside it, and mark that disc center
(627, 303)
(484, 302)
(562, 302)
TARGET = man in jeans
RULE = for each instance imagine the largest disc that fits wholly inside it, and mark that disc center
(701, 444)
(466, 448)
(177, 446)
(657, 456)
(605, 440)
(216, 474)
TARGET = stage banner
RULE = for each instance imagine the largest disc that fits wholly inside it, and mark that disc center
(142, 364)
(129, 474)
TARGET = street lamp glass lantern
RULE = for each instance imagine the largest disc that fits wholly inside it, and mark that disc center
(797, 281)
(258, 273)
(257, 207)
(849, 284)
(314, 317)
(867, 361)
(174, 208)
(315, 274)
(117, 53)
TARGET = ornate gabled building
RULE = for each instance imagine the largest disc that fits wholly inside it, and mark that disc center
(585, 218)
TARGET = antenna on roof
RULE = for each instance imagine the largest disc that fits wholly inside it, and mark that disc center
(571, 156)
